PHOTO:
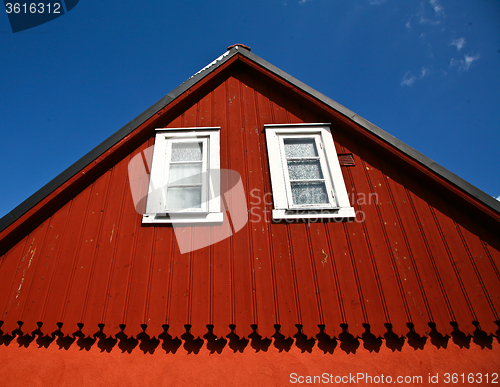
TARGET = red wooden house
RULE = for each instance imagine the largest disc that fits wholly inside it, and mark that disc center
(247, 229)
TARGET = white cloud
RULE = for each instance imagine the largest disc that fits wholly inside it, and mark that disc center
(464, 64)
(424, 18)
(408, 79)
(430, 22)
(438, 8)
(303, 1)
(468, 59)
(498, 198)
(377, 2)
(459, 43)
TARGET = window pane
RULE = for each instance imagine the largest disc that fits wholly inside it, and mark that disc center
(309, 193)
(186, 151)
(302, 170)
(300, 147)
(185, 173)
(183, 198)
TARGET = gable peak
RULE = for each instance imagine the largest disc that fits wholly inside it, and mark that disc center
(238, 45)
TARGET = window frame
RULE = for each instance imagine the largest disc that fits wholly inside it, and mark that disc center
(204, 167)
(156, 205)
(338, 205)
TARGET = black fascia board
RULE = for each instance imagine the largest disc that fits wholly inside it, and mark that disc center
(107, 144)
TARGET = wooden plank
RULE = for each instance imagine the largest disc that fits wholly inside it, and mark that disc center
(278, 112)
(201, 286)
(491, 241)
(66, 261)
(222, 280)
(439, 311)
(326, 274)
(307, 290)
(200, 301)
(294, 113)
(371, 262)
(258, 193)
(461, 262)
(299, 281)
(351, 308)
(200, 307)
(160, 285)
(24, 276)
(286, 301)
(180, 297)
(204, 116)
(106, 248)
(491, 244)
(440, 259)
(484, 270)
(243, 299)
(44, 270)
(174, 319)
(138, 288)
(407, 278)
(120, 275)
(306, 260)
(286, 292)
(10, 264)
(351, 305)
(85, 258)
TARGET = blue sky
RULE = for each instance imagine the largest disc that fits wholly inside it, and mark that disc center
(428, 72)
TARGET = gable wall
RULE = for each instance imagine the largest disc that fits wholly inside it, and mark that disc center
(415, 258)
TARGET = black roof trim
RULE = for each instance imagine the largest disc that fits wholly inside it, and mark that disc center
(107, 144)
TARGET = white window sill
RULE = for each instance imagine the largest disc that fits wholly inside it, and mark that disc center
(339, 213)
(214, 218)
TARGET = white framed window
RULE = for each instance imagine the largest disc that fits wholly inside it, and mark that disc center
(306, 179)
(184, 185)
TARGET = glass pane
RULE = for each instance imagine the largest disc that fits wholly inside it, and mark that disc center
(183, 198)
(185, 173)
(186, 151)
(300, 147)
(301, 170)
(309, 193)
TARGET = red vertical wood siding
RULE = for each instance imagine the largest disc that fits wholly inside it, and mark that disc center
(411, 258)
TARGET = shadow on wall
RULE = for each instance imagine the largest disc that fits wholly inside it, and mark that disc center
(345, 341)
